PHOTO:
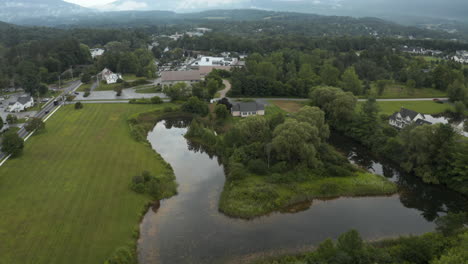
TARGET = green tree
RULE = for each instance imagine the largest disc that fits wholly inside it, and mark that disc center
(35, 124)
(12, 144)
(212, 87)
(460, 108)
(381, 85)
(457, 91)
(221, 111)
(352, 244)
(86, 78)
(254, 129)
(195, 106)
(78, 105)
(329, 75)
(296, 142)
(315, 117)
(178, 91)
(351, 81)
(337, 105)
(1, 123)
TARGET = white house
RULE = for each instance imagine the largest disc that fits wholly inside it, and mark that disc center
(406, 117)
(96, 52)
(21, 104)
(110, 77)
(247, 109)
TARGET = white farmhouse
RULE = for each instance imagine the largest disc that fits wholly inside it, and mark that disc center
(110, 77)
(248, 109)
(96, 52)
(21, 104)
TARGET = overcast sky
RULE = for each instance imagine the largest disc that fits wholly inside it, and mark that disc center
(90, 2)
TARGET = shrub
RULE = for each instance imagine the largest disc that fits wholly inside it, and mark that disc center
(12, 119)
(168, 109)
(86, 94)
(258, 166)
(280, 167)
(328, 188)
(138, 179)
(139, 187)
(123, 255)
(70, 98)
(237, 171)
(156, 100)
(78, 105)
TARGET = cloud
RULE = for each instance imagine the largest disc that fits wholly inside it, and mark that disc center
(127, 5)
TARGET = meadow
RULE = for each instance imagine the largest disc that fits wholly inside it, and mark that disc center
(67, 199)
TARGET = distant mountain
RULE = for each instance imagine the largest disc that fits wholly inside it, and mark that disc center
(448, 9)
(16, 11)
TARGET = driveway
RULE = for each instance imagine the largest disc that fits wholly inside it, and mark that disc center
(127, 94)
(227, 88)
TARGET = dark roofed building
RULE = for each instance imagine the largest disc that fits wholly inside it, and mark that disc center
(247, 109)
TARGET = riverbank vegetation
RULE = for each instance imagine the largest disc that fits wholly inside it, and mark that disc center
(273, 162)
(75, 179)
(435, 153)
(446, 246)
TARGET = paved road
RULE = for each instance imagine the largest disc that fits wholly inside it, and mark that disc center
(46, 110)
(127, 94)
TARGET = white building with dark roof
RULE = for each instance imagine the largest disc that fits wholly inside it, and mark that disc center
(245, 109)
(23, 103)
(110, 77)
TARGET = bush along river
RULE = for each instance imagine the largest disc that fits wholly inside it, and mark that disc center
(188, 228)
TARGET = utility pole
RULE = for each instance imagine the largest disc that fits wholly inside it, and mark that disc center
(60, 78)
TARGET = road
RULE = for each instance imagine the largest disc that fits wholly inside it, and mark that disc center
(46, 110)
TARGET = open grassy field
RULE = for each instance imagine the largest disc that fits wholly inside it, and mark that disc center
(107, 87)
(400, 91)
(289, 106)
(255, 195)
(425, 107)
(84, 86)
(150, 89)
(67, 199)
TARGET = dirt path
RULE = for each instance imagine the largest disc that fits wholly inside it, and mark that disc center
(223, 92)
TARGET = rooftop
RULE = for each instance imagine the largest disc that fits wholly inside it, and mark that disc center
(171, 76)
(248, 107)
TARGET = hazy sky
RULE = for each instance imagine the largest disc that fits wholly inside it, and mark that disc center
(90, 2)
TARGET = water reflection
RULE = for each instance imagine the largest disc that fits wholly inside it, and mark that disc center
(431, 200)
(188, 228)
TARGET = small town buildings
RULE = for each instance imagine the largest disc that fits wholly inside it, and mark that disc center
(96, 52)
(214, 61)
(23, 103)
(245, 109)
(461, 56)
(173, 77)
(110, 77)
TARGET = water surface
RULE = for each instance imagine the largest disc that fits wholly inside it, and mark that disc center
(188, 228)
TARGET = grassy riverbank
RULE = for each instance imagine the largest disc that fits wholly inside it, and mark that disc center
(256, 195)
(67, 199)
(435, 248)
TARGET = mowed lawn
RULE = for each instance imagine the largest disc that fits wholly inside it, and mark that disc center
(425, 107)
(67, 198)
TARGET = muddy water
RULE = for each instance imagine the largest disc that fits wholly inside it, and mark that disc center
(188, 228)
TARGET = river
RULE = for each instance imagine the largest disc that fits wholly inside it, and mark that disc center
(188, 228)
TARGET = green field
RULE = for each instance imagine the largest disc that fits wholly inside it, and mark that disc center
(400, 91)
(107, 87)
(425, 107)
(67, 198)
(151, 89)
(84, 86)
